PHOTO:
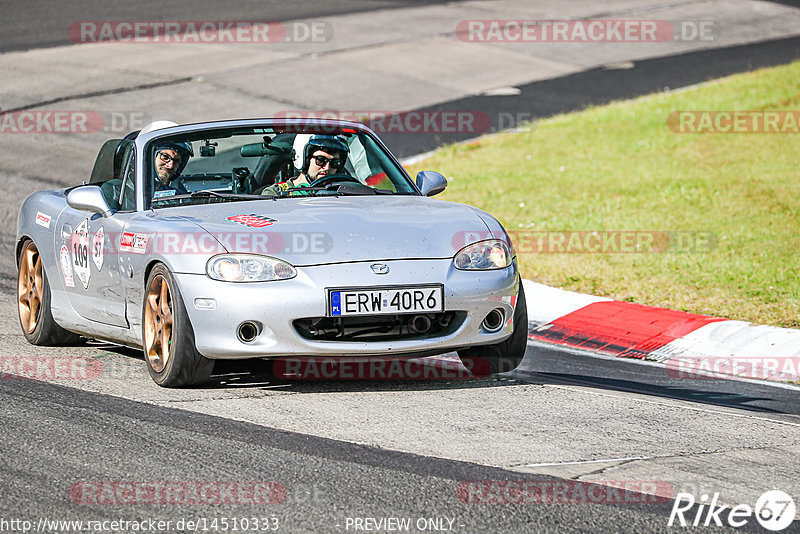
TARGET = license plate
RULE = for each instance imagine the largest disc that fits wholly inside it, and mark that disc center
(386, 300)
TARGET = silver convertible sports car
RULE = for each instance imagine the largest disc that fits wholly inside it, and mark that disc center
(265, 238)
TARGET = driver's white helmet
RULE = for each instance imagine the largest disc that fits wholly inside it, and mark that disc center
(157, 125)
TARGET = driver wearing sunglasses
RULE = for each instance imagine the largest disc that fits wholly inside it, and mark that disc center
(323, 155)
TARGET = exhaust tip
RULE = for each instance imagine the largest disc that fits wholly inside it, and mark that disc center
(248, 331)
(494, 320)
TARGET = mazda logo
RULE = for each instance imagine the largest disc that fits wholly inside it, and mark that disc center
(379, 268)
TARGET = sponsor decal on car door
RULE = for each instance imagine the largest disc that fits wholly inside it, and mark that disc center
(89, 264)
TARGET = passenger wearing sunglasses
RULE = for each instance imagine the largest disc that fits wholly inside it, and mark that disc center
(323, 155)
(170, 160)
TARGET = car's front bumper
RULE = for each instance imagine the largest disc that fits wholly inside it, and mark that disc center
(275, 305)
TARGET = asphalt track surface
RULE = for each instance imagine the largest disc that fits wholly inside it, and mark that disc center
(547, 363)
(556, 365)
(326, 480)
(55, 435)
(40, 24)
(90, 439)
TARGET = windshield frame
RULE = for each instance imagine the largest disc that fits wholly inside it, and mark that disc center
(199, 131)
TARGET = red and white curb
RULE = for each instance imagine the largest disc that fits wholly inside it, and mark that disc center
(690, 346)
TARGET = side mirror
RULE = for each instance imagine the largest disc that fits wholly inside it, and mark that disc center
(431, 183)
(88, 198)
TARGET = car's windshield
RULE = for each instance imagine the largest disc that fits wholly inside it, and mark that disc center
(248, 163)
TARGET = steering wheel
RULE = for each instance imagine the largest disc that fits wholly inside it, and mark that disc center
(331, 178)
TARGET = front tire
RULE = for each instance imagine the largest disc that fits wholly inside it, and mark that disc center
(33, 301)
(167, 335)
(505, 356)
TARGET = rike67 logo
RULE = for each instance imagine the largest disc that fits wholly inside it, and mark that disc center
(774, 510)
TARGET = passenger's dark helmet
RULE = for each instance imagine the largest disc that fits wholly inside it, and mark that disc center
(324, 142)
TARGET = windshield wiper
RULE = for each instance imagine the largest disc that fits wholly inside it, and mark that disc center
(342, 190)
(212, 194)
(217, 194)
(347, 189)
(327, 191)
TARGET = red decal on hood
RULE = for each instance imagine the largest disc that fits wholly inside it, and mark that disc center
(252, 220)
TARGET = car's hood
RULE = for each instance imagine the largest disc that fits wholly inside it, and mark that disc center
(313, 231)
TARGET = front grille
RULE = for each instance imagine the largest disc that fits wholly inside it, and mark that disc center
(380, 327)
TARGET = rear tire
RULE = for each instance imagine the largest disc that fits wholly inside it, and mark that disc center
(505, 356)
(33, 301)
(167, 335)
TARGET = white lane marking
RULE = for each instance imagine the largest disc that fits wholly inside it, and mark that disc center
(591, 461)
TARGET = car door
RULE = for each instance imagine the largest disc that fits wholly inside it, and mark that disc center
(89, 252)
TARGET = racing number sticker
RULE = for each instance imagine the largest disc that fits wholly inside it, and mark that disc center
(66, 266)
(97, 248)
(80, 253)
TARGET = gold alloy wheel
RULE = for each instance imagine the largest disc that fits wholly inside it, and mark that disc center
(158, 323)
(30, 288)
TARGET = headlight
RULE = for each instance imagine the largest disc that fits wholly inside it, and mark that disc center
(248, 268)
(484, 255)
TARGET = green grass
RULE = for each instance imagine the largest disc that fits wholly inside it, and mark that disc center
(619, 167)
